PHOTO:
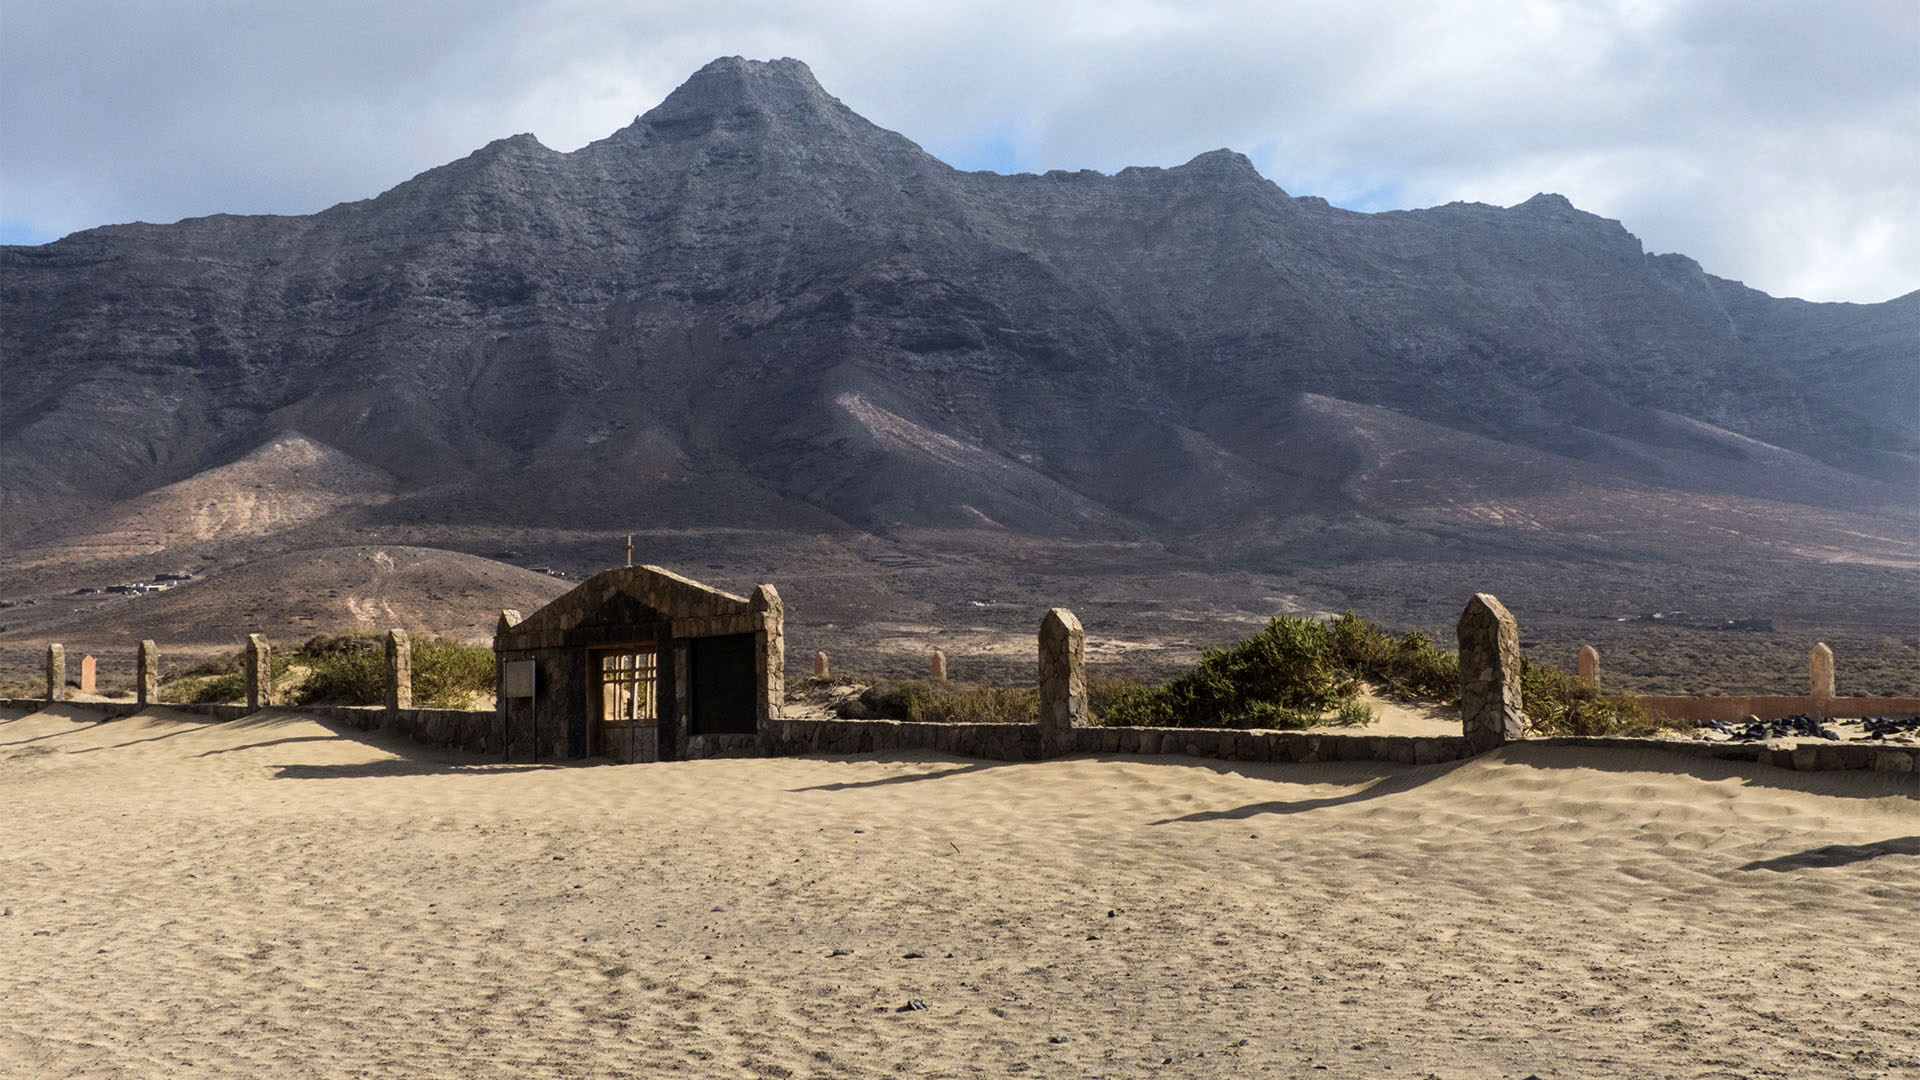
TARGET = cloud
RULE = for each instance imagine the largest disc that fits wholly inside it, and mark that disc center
(1775, 142)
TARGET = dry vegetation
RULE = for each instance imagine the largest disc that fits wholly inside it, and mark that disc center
(1684, 662)
(347, 669)
(1294, 673)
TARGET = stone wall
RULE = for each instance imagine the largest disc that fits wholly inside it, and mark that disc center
(479, 732)
(1803, 757)
(461, 729)
(1024, 742)
(698, 747)
(994, 742)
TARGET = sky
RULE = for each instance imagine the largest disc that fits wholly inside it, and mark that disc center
(1777, 142)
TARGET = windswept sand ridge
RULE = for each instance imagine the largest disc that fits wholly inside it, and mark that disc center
(270, 897)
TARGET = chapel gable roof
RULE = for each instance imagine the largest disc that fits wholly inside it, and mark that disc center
(633, 596)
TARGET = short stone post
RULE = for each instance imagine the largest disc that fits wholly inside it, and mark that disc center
(1063, 678)
(399, 674)
(1490, 703)
(937, 666)
(56, 673)
(89, 674)
(146, 676)
(259, 672)
(1820, 676)
(819, 665)
(1589, 666)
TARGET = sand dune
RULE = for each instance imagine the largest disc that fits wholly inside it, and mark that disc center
(270, 897)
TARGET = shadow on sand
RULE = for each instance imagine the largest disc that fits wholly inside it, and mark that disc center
(1851, 784)
(1832, 855)
(911, 778)
(186, 730)
(1393, 780)
(411, 767)
(1380, 784)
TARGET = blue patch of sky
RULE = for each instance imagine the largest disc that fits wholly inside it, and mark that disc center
(1349, 190)
(996, 153)
(22, 232)
(1368, 200)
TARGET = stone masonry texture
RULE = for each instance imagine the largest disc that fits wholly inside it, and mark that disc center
(1063, 671)
(399, 672)
(259, 672)
(1490, 704)
(1820, 672)
(146, 677)
(56, 673)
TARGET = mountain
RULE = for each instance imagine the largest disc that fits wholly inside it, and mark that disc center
(753, 308)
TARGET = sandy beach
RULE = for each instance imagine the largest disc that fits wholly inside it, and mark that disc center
(272, 897)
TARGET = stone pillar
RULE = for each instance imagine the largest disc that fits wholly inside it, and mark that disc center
(1590, 666)
(937, 666)
(89, 675)
(399, 674)
(1063, 675)
(56, 673)
(146, 675)
(1820, 676)
(1490, 705)
(259, 672)
(819, 665)
(771, 664)
(502, 704)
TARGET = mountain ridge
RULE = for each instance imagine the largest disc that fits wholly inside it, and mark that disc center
(752, 305)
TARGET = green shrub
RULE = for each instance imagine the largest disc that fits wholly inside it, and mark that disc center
(1283, 677)
(347, 676)
(1558, 703)
(1354, 714)
(205, 689)
(351, 669)
(1133, 705)
(1410, 667)
(1103, 695)
(449, 674)
(219, 680)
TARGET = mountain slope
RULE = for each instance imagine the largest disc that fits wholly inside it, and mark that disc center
(751, 306)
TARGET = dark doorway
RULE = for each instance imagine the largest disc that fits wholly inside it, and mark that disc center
(723, 684)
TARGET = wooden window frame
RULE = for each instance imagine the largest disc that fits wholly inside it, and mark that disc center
(634, 687)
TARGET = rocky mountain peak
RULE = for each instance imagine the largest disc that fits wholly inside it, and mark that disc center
(1548, 201)
(678, 317)
(1228, 168)
(733, 91)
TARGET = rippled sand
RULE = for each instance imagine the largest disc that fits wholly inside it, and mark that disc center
(273, 898)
